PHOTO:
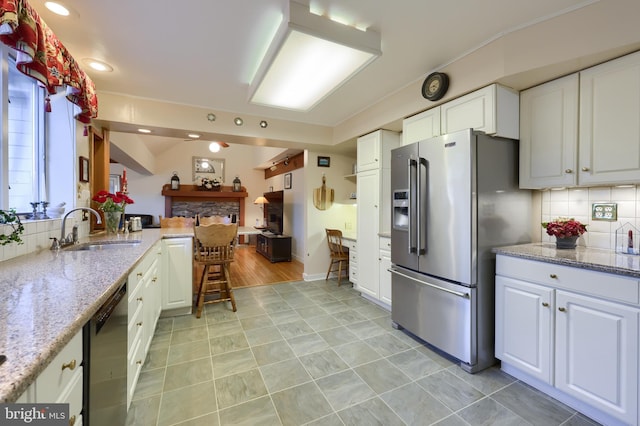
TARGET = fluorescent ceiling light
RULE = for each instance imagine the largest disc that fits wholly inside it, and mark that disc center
(310, 57)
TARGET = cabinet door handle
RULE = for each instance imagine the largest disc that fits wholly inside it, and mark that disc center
(585, 169)
(139, 324)
(554, 276)
(545, 304)
(139, 299)
(139, 274)
(561, 309)
(70, 365)
(568, 171)
(72, 420)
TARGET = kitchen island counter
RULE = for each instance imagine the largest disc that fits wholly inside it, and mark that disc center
(581, 257)
(48, 296)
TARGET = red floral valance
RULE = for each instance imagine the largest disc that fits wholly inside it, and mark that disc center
(42, 56)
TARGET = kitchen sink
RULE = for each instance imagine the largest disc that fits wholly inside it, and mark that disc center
(102, 245)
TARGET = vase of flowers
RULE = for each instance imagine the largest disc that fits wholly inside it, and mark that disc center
(566, 230)
(113, 206)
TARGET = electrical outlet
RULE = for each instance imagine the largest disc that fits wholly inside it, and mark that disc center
(604, 211)
(347, 225)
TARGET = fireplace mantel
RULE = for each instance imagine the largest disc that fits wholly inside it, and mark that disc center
(192, 193)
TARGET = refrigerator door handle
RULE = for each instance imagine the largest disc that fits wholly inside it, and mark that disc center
(456, 293)
(422, 206)
(411, 163)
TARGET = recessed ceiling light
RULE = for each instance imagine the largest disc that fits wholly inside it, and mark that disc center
(264, 124)
(211, 117)
(57, 8)
(144, 130)
(97, 65)
(214, 147)
(238, 121)
(193, 135)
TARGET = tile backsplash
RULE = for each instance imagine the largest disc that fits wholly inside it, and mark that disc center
(37, 234)
(577, 203)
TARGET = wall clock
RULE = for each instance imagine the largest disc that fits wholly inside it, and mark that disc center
(435, 86)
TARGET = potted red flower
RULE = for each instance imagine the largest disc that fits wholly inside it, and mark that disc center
(113, 206)
(566, 231)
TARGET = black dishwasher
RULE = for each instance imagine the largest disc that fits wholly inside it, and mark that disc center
(105, 355)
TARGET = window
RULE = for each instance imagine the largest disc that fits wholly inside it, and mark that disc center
(26, 152)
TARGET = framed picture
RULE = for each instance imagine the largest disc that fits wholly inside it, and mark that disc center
(84, 169)
(210, 168)
(287, 181)
(324, 161)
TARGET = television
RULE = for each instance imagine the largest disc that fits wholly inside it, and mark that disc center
(274, 211)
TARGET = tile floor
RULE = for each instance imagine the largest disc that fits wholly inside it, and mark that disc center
(312, 353)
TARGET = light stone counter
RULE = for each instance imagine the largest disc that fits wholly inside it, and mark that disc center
(48, 296)
(581, 257)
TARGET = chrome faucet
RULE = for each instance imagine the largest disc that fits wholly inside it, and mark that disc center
(63, 239)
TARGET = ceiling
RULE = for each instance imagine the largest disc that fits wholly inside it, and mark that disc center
(203, 53)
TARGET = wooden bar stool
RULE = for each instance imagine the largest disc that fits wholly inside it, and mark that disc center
(214, 248)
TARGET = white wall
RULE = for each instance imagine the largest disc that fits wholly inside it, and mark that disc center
(341, 213)
(146, 190)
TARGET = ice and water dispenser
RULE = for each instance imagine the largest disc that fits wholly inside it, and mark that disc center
(401, 209)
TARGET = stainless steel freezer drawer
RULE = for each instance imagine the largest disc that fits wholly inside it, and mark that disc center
(440, 313)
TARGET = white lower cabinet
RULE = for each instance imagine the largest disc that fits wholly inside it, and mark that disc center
(177, 274)
(61, 382)
(353, 259)
(144, 304)
(384, 276)
(569, 332)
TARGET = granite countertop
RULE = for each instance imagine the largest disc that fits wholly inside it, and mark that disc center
(48, 296)
(581, 257)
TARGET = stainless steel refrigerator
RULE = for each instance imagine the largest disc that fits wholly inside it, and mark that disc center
(455, 197)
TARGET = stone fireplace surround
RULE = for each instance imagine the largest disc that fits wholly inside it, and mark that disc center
(189, 200)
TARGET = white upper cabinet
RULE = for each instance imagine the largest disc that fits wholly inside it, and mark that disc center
(609, 150)
(493, 109)
(421, 126)
(549, 134)
(582, 130)
(374, 150)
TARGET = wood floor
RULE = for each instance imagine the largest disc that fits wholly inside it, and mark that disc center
(251, 269)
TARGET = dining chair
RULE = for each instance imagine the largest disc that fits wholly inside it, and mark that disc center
(338, 253)
(214, 249)
(176, 222)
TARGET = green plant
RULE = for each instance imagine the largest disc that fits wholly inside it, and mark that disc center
(11, 219)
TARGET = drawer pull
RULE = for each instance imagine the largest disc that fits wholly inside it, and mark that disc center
(562, 309)
(545, 304)
(72, 420)
(139, 362)
(585, 169)
(139, 324)
(568, 171)
(70, 365)
(554, 276)
(154, 279)
(139, 299)
(139, 274)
